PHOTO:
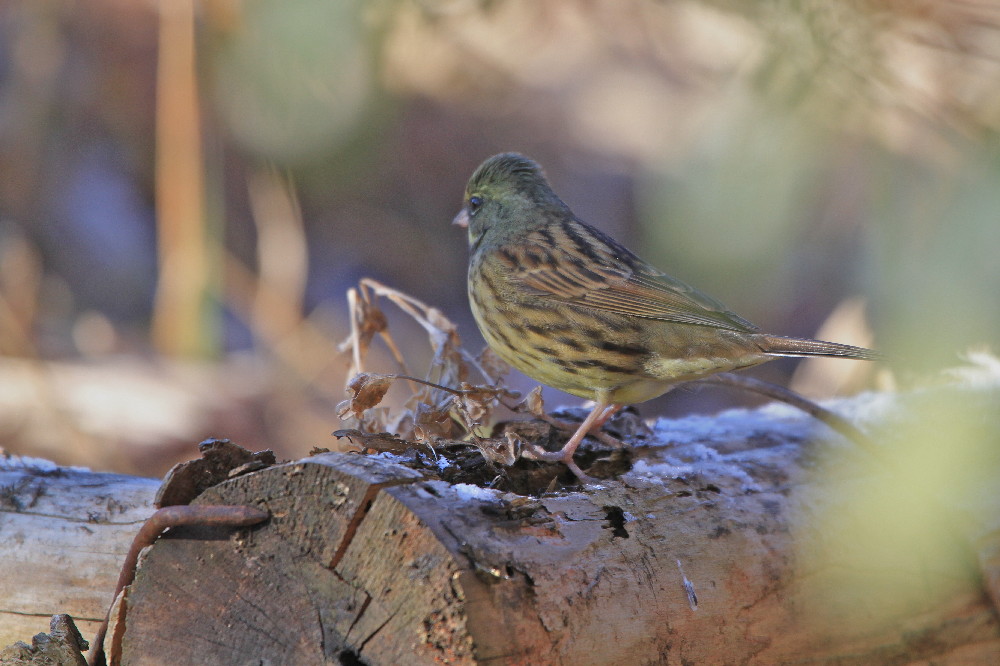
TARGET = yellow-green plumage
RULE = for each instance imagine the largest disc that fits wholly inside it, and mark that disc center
(572, 308)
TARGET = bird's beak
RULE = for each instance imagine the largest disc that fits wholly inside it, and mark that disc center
(462, 219)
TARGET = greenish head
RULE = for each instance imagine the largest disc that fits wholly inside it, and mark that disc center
(507, 195)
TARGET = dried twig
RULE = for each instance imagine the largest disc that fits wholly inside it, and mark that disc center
(433, 407)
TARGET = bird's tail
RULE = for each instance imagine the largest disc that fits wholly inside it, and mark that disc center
(776, 345)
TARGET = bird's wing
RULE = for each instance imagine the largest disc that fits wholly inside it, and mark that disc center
(577, 264)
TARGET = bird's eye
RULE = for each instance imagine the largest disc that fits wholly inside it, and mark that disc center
(475, 203)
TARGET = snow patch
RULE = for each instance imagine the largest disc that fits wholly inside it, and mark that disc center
(15, 463)
(468, 491)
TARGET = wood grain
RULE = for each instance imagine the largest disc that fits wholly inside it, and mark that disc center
(63, 535)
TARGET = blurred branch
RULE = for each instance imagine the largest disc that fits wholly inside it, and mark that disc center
(271, 301)
(306, 349)
(281, 255)
(180, 191)
(20, 284)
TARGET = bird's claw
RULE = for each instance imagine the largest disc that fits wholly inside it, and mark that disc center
(536, 452)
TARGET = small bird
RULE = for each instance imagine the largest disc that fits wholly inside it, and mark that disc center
(574, 309)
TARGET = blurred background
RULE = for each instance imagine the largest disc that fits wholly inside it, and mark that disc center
(188, 189)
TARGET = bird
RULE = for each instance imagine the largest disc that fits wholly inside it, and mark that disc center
(574, 309)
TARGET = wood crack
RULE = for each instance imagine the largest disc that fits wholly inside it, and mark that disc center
(363, 507)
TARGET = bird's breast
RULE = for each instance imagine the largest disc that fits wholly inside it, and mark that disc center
(581, 351)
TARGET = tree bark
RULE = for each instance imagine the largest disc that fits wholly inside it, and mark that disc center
(748, 537)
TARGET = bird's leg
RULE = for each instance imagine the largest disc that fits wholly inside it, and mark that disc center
(595, 431)
(609, 411)
(598, 416)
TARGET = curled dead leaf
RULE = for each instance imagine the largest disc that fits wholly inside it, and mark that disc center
(434, 411)
(533, 403)
(502, 451)
(378, 441)
(492, 365)
(439, 321)
(476, 404)
(369, 389)
(432, 421)
(472, 411)
(371, 320)
(343, 409)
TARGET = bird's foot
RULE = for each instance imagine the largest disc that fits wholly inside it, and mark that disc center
(604, 438)
(535, 452)
(598, 415)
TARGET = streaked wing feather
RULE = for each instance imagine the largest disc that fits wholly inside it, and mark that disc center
(606, 276)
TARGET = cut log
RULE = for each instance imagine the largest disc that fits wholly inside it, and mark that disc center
(63, 535)
(747, 537)
(726, 546)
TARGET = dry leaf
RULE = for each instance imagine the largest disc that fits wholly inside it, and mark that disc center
(369, 389)
(504, 451)
(431, 412)
(379, 441)
(533, 403)
(371, 320)
(472, 411)
(447, 346)
(475, 404)
(492, 365)
(430, 421)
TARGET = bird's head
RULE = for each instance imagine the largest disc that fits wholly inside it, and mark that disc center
(507, 194)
